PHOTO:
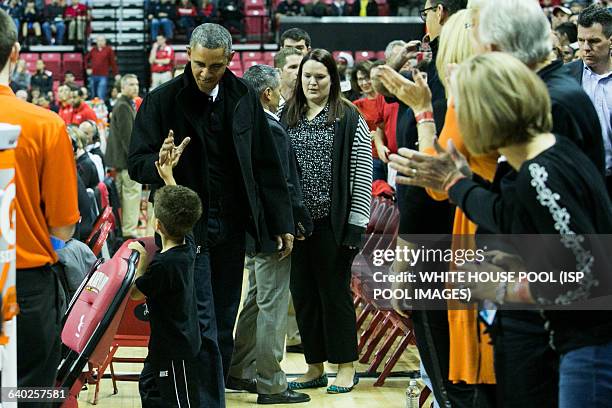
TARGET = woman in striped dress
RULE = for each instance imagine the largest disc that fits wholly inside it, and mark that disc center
(332, 145)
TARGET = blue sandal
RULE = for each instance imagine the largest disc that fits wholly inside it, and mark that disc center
(336, 389)
(316, 383)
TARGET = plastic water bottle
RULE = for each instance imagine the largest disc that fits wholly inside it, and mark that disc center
(413, 394)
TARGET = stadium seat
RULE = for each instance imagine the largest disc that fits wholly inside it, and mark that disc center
(268, 57)
(364, 55)
(30, 56)
(235, 64)
(180, 58)
(257, 22)
(254, 5)
(53, 63)
(73, 62)
(251, 56)
(249, 64)
(381, 55)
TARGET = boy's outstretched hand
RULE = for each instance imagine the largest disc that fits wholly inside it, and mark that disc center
(169, 157)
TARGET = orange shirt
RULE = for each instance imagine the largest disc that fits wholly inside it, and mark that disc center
(471, 355)
(45, 178)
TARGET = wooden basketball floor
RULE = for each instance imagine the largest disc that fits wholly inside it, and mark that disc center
(391, 395)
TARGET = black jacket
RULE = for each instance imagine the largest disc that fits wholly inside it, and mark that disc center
(43, 81)
(371, 8)
(575, 69)
(345, 10)
(574, 117)
(178, 105)
(301, 217)
(419, 213)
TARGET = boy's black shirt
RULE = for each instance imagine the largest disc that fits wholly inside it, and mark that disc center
(169, 287)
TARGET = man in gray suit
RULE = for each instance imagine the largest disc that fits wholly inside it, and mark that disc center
(122, 121)
(262, 324)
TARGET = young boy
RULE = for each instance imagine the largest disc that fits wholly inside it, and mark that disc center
(168, 286)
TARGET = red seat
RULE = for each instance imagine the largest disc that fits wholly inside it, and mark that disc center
(53, 62)
(251, 56)
(235, 64)
(73, 62)
(181, 58)
(256, 22)
(30, 56)
(249, 64)
(381, 55)
(268, 56)
(254, 5)
(364, 55)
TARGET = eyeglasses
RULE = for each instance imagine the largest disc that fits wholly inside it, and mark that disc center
(423, 12)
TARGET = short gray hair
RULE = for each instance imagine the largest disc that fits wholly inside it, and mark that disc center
(261, 77)
(127, 77)
(391, 45)
(517, 27)
(212, 36)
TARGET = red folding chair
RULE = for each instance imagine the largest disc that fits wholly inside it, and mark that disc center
(92, 319)
(131, 332)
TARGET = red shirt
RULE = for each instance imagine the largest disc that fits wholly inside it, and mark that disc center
(65, 112)
(75, 10)
(390, 112)
(163, 53)
(207, 10)
(101, 60)
(81, 114)
(372, 111)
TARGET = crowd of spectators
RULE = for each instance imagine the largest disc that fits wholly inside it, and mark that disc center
(184, 15)
(49, 23)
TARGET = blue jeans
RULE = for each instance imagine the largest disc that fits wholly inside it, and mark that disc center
(218, 271)
(585, 377)
(166, 25)
(60, 28)
(97, 86)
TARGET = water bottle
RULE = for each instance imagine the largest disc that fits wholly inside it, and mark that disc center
(413, 394)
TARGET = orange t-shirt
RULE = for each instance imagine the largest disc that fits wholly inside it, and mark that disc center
(45, 178)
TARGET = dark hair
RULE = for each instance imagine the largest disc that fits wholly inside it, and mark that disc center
(362, 66)
(596, 14)
(280, 59)
(451, 6)
(295, 34)
(297, 105)
(68, 73)
(8, 37)
(78, 90)
(177, 208)
(570, 30)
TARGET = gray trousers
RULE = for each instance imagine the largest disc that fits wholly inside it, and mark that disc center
(262, 324)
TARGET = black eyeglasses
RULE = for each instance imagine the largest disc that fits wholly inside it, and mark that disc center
(423, 12)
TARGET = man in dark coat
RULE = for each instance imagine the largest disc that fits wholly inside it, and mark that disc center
(233, 165)
(262, 325)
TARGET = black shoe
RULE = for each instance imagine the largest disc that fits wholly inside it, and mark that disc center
(287, 397)
(296, 348)
(240, 384)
